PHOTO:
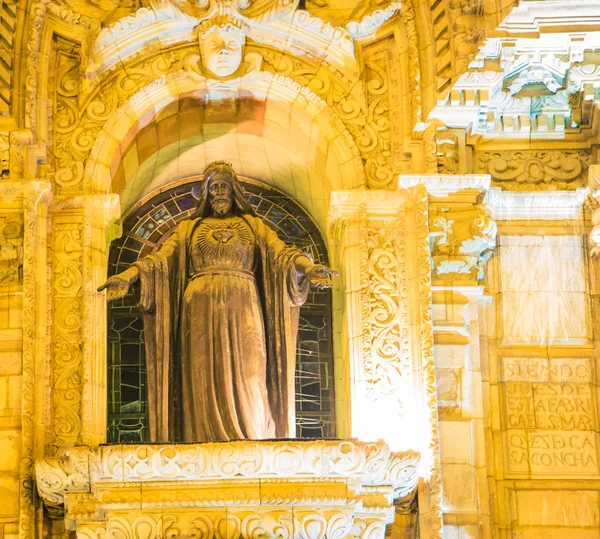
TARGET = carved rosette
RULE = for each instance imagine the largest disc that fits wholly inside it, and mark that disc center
(275, 488)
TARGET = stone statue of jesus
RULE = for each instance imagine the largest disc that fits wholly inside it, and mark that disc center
(220, 302)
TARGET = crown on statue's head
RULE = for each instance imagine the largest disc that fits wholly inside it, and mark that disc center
(215, 166)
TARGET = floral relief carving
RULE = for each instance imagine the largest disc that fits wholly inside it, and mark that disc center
(243, 489)
(375, 138)
(530, 169)
(448, 153)
(390, 367)
(66, 333)
(69, 141)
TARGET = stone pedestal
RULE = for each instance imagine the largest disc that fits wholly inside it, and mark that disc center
(230, 490)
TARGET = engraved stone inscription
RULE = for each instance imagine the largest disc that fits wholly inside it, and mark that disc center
(527, 369)
(552, 452)
(563, 406)
(549, 416)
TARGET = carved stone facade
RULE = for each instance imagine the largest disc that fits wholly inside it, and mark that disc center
(447, 150)
(238, 488)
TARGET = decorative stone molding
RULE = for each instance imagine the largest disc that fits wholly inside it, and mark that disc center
(527, 169)
(541, 86)
(27, 202)
(8, 25)
(370, 23)
(537, 205)
(461, 232)
(82, 226)
(323, 487)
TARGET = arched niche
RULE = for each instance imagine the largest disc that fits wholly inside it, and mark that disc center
(145, 227)
(270, 128)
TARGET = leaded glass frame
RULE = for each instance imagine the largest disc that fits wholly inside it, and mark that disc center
(145, 228)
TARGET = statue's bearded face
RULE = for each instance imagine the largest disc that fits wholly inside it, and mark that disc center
(220, 195)
(222, 51)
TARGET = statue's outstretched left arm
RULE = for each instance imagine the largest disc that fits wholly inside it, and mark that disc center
(319, 275)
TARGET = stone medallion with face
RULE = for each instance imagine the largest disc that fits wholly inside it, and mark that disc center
(221, 48)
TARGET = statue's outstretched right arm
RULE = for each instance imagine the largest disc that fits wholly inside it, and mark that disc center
(119, 285)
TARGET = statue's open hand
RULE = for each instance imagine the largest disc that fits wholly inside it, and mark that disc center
(115, 287)
(320, 276)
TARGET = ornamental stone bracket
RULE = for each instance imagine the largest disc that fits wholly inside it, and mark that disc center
(287, 488)
(462, 233)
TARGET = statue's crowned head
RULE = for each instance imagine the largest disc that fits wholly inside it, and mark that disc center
(222, 38)
(221, 193)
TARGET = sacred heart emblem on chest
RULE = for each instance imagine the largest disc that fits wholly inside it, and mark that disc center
(223, 235)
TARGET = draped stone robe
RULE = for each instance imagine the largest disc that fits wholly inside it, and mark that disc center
(220, 303)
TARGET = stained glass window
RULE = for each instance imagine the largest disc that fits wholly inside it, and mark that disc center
(144, 230)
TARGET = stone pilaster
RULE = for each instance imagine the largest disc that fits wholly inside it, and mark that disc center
(385, 332)
(22, 355)
(462, 239)
(81, 226)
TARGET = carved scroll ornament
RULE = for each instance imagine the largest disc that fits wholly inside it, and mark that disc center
(332, 486)
(527, 169)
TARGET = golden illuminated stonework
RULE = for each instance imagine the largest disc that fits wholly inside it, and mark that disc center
(440, 156)
(232, 489)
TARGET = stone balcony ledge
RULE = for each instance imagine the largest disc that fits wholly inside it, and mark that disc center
(292, 488)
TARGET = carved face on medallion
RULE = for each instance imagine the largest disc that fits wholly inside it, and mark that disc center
(220, 194)
(221, 49)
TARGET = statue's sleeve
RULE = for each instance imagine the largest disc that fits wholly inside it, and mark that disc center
(285, 258)
(158, 292)
(164, 258)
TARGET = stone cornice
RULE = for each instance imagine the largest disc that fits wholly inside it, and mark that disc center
(216, 474)
(533, 18)
(442, 185)
(537, 205)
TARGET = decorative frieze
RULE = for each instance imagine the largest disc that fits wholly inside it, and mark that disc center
(534, 169)
(327, 488)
